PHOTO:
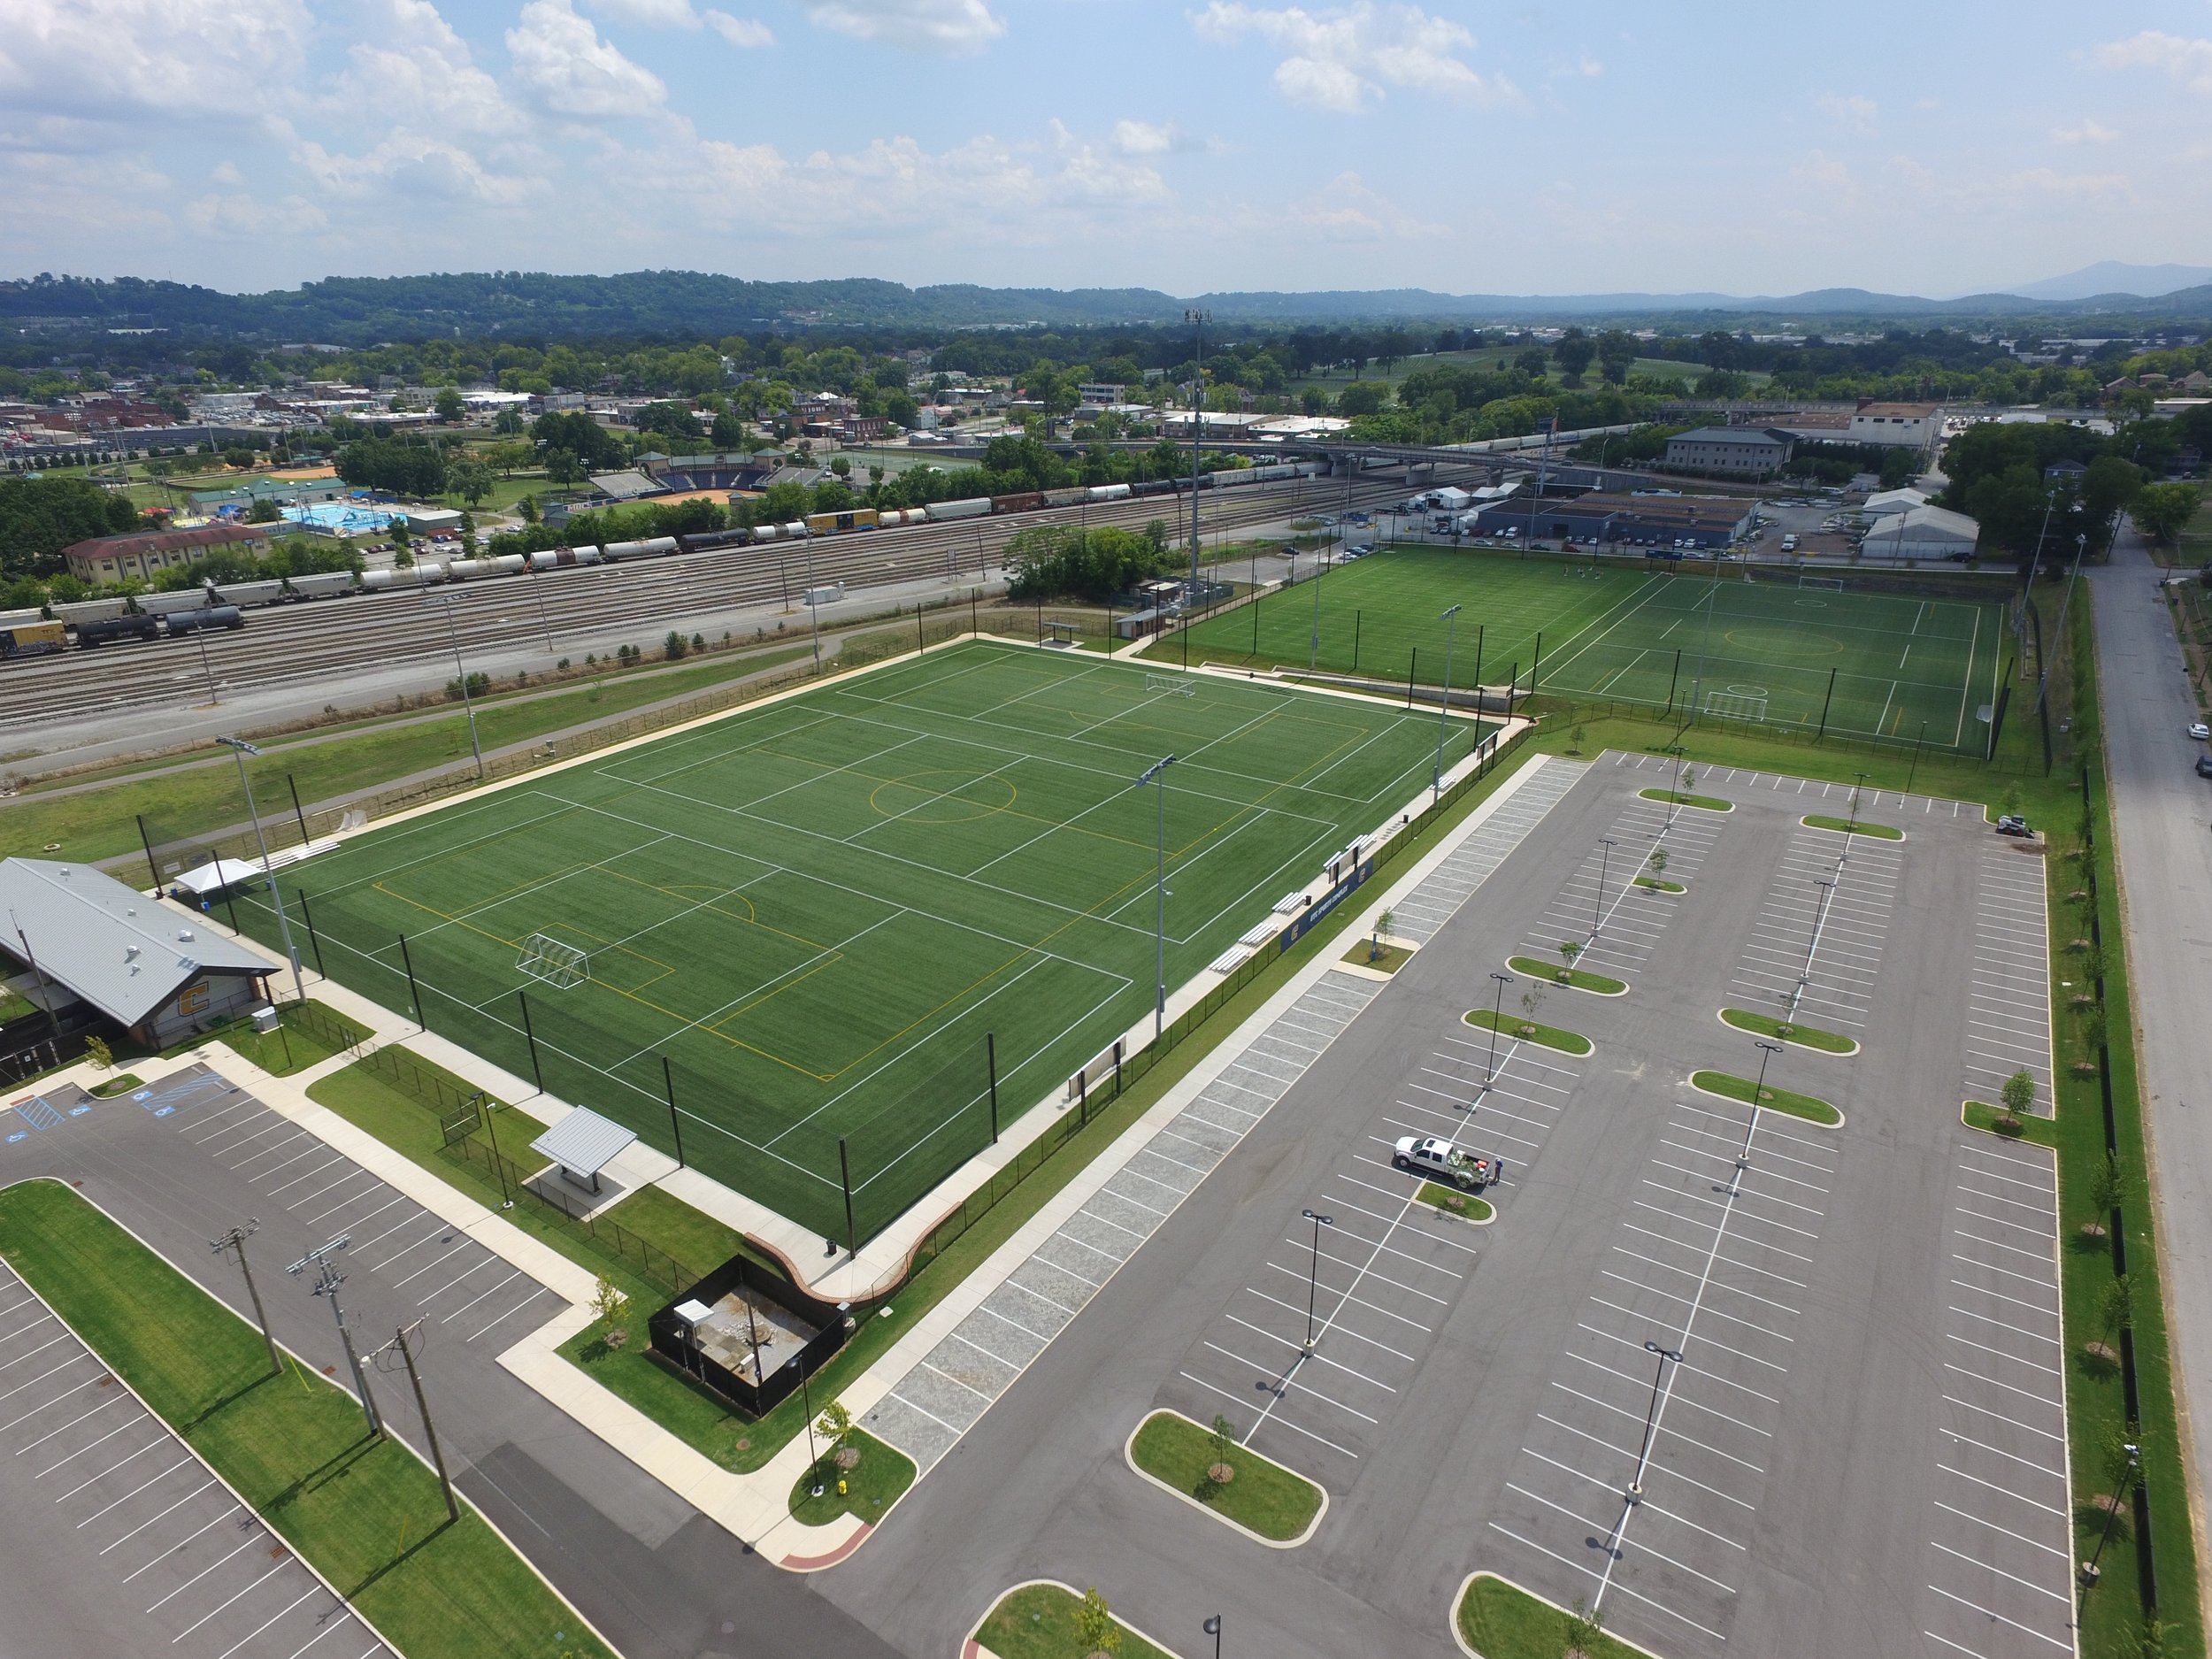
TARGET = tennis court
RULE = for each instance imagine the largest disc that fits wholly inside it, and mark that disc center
(1855, 664)
(805, 919)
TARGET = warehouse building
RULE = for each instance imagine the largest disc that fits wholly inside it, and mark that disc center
(1909, 426)
(91, 945)
(1922, 533)
(1737, 451)
(1654, 522)
(108, 559)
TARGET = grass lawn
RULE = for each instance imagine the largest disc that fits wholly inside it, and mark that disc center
(1038, 1621)
(1775, 1100)
(1500, 1622)
(1804, 1036)
(1451, 1202)
(294, 1047)
(872, 1485)
(1855, 663)
(99, 823)
(1383, 958)
(1852, 826)
(366, 1512)
(1659, 885)
(1581, 980)
(121, 1084)
(1261, 1495)
(813, 914)
(1513, 1026)
(1702, 803)
(1981, 1115)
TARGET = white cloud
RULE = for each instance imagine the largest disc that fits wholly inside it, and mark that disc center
(748, 34)
(923, 25)
(227, 172)
(1156, 138)
(414, 62)
(238, 215)
(189, 58)
(1855, 110)
(561, 59)
(1345, 210)
(2187, 61)
(1342, 60)
(2088, 133)
(651, 14)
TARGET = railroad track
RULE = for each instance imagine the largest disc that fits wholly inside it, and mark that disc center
(323, 640)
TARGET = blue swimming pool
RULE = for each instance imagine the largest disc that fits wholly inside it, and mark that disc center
(341, 516)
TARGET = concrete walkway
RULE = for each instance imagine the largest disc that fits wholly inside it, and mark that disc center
(2161, 809)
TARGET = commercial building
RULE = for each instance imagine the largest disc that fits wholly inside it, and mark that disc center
(1904, 425)
(90, 944)
(1740, 451)
(1657, 522)
(1884, 503)
(143, 553)
(1922, 533)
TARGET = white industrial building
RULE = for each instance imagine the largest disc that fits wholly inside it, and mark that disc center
(1922, 533)
(1905, 425)
(1889, 501)
(1746, 451)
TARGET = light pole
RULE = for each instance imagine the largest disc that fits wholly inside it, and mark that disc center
(814, 599)
(468, 704)
(1197, 320)
(1155, 774)
(1497, 1018)
(2089, 1570)
(240, 748)
(1313, 1277)
(1913, 771)
(1212, 1627)
(1674, 796)
(1444, 704)
(1812, 944)
(1605, 861)
(1858, 782)
(1767, 1051)
(1651, 1415)
(1321, 569)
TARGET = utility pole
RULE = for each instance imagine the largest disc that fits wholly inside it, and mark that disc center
(240, 748)
(1155, 774)
(327, 1280)
(429, 1429)
(235, 1240)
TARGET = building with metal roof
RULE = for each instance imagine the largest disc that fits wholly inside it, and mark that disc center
(1922, 533)
(139, 965)
(1748, 451)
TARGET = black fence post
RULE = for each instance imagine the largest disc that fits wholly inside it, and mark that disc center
(1412, 662)
(921, 640)
(296, 813)
(1480, 708)
(1672, 679)
(147, 842)
(990, 1058)
(1083, 1095)
(314, 943)
(230, 901)
(1538, 663)
(1356, 618)
(675, 1121)
(973, 626)
(845, 1175)
(1255, 624)
(1824, 701)
(413, 990)
(531, 1037)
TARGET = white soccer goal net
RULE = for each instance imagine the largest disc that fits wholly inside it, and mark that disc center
(549, 962)
(1831, 584)
(1170, 685)
(1731, 705)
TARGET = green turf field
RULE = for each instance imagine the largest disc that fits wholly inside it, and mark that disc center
(817, 909)
(1614, 633)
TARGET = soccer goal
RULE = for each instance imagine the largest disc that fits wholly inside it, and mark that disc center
(1170, 685)
(1831, 584)
(1733, 705)
(549, 962)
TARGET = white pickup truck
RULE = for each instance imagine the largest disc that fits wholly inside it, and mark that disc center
(1442, 1160)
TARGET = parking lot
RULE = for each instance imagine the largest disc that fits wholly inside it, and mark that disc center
(120, 1539)
(1813, 950)
(458, 1287)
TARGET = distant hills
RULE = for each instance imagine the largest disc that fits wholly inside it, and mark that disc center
(353, 310)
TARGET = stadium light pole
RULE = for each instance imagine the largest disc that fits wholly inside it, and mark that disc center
(468, 704)
(240, 749)
(1155, 774)
(1444, 704)
(1198, 321)
(1320, 569)
(814, 601)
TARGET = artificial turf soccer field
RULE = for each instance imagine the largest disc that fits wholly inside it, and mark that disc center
(1614, 633)
(816, 908)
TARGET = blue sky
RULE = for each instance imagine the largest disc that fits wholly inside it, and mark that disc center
(1935, 149)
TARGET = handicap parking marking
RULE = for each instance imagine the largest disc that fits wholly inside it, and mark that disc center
(2001, 1567)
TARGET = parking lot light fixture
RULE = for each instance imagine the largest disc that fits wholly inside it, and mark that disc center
(1444, 703)
(1313, 1277)
(1767, 1051)
(1213, 1628)
(1497, 1018)
(1667, 1356)
(1605, 862)
(1858, 782)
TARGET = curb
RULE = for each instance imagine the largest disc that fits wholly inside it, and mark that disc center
(1810, 1122)
(1856, 1050)
(1129, 1457)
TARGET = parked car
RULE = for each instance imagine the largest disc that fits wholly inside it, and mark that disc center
(2013, 824)
(2204, 765)
(2200, 731)
(1426, 1155)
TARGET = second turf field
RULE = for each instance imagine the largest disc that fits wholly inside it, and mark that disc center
(1877, 665)
(816, 911)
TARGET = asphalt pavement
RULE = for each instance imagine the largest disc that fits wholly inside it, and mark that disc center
(2161, 812)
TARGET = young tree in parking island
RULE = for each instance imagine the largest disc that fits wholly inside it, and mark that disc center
(1095, 1625)
(2018, 1095)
